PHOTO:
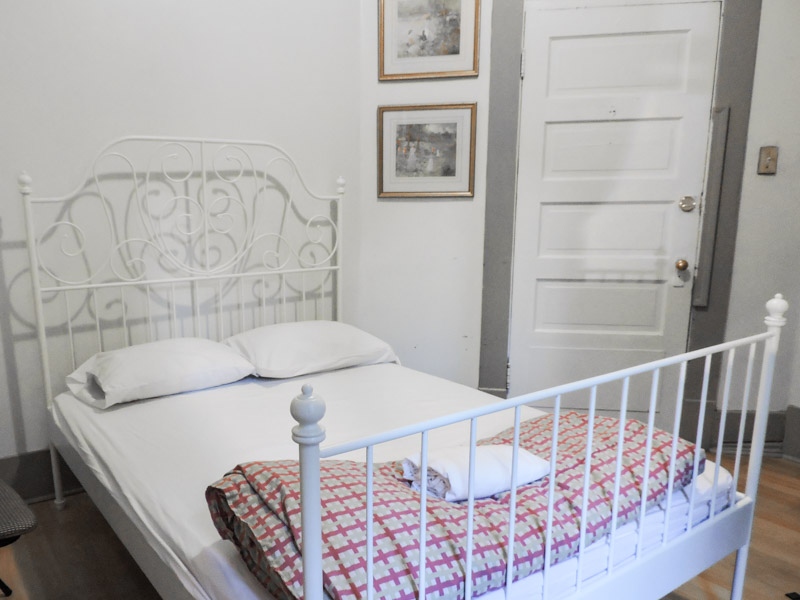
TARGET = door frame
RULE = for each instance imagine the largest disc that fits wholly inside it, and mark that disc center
(733, 90)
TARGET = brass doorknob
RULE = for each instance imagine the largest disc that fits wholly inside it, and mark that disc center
(682, 264)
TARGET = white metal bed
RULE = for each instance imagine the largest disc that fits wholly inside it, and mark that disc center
(170, 238)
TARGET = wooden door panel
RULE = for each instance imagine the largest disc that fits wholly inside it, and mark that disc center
(615, 113)
(583, 64)
(628, 149)
(580, 231)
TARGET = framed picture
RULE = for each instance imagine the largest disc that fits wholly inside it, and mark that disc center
(426, 150)
(428, 38)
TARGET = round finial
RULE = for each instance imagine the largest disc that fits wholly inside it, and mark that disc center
(777, 307)
(24, 182)
(308, 411)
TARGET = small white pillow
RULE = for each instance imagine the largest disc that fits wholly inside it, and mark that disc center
(448, 471)
(291, 349)
(156, 369)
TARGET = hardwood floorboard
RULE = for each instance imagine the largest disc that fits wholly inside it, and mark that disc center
(773, 567)
(74, 554)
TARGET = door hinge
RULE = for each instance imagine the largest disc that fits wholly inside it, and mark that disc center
(508, 376)
(522, 65)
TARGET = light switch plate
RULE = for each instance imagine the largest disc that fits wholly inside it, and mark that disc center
(768, 160)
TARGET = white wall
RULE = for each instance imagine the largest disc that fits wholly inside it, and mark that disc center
(75, 75)
(422, 259)
(768, 239)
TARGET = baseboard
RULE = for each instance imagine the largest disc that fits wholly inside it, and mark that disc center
(771, 449)
(777, 427)
(31, 476)
(499, 392)
(791, 441)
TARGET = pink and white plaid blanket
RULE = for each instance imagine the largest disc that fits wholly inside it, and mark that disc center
(257, 507)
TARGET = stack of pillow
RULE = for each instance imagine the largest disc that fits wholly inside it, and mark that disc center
(179, 365)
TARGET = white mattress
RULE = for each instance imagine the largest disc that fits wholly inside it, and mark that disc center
(156, 457)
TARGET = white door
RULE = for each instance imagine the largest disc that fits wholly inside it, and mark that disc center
(614, 125)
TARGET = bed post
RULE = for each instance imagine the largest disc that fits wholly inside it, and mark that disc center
(24, 183)
(776, 307)
(340, 191)
(308, 410)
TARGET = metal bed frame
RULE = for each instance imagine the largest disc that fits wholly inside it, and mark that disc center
(650, 574)
(172, 237)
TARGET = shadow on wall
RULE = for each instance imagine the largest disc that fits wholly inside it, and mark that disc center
(9, 315)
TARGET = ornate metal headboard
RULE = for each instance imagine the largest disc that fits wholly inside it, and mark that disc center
(172, 237)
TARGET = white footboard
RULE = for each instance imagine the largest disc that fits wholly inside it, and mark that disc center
(652, 569)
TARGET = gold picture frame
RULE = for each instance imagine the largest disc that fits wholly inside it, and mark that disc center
(422, 39)
(426, 150)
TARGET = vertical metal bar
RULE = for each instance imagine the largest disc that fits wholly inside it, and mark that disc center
(699, 438)
(726, 391)
(263, 301)
(97, 320)
(423, 511)
(149, 312)
(240, 291)
(623, 413)
(303, 294)
(195, 309)
(512, 505)
(551, 494)
(24, 185)
(473, 441)
(748, 382)
(172, 312)
(587, 475)
(370, 526)
(58, 485)
(336, 207)
(125, 331)
(202, 201)
(674, 450)
(283, 297)
(220, 326)
(648, 453)
(70, 333)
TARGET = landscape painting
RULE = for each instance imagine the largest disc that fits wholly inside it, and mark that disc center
(428, 38)
(428, 28)
(426, 150)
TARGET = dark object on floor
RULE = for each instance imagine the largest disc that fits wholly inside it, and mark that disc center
(16, 519)
(793, 596)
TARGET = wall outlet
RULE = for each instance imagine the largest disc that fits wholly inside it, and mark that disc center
(768, 160)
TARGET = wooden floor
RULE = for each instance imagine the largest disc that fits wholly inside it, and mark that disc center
(774, 565)
(73, 554)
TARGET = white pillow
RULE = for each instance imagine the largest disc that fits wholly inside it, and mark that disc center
(448, 471)
(292, 349)
(156, 369)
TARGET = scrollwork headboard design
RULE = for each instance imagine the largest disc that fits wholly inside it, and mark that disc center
(171, 237)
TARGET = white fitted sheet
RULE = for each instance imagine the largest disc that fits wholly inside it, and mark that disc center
(156, 457)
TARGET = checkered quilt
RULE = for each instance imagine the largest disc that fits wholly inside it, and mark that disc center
(257, 507)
